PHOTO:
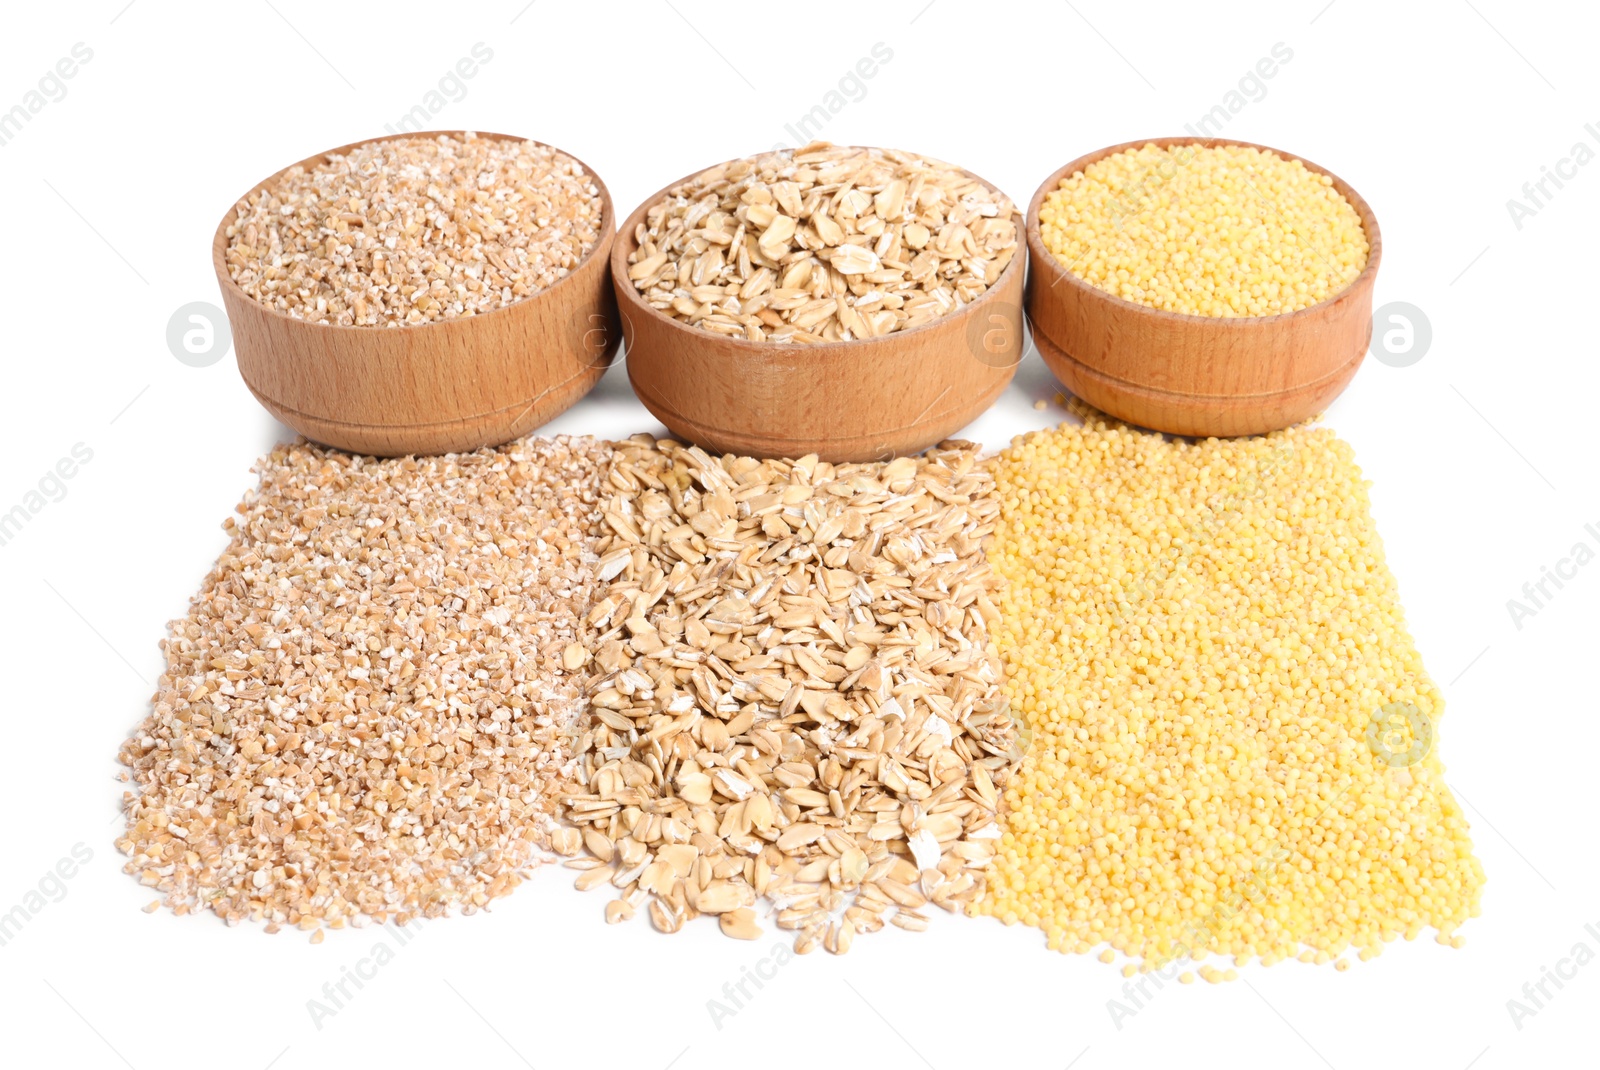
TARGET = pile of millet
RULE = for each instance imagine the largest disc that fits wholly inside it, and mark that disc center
(1212, 657)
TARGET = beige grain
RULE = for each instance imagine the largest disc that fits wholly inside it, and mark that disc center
(824, 243)
(413, 230)
(365, 712)
(794, 694)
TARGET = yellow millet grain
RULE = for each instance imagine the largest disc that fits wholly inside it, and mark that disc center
(1199, 634)
(1224, 231)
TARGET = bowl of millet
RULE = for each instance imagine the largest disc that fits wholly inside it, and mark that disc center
(1201, 287)
(421, 293)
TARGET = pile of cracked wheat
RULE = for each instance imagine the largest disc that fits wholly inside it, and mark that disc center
(411, 230)
(364, 714)
(824, 243)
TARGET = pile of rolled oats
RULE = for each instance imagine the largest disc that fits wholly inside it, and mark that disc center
(794, 695)
(415, 229)
(365, 713)
(823, 244)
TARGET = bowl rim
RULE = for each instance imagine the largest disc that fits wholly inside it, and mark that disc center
(625, 243)
(1045, 262)
(219, 240)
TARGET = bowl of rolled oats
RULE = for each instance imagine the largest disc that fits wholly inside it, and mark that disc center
(855, 303)
(421, 293)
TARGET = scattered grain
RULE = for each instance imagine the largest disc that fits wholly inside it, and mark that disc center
(740, 924)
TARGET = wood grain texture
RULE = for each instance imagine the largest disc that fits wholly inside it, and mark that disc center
(1197, 375)
(863, 400)
(439, 387)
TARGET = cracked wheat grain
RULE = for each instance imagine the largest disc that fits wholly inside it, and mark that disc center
(365, 713)
(416, 229)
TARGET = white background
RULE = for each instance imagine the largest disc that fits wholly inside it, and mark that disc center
(1481, 456)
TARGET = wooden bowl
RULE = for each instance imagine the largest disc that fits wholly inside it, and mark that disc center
(440, 387)
(1197, 375)
(862, 400)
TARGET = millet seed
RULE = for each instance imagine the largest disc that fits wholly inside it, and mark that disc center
(1220, 231)
(1199, 635)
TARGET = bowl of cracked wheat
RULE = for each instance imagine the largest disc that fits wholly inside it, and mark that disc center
(421, 293)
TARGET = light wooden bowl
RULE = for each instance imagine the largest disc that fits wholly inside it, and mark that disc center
(440, 387)
(1197, 375)
(863, 400)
